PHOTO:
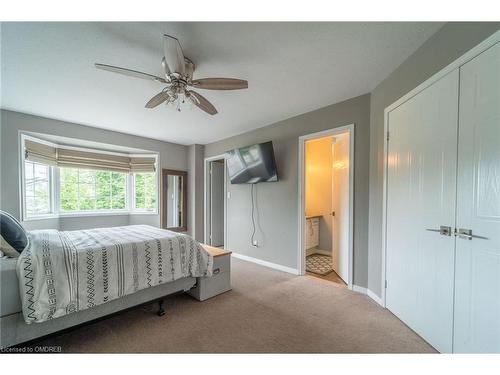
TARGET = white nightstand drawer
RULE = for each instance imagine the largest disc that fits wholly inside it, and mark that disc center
(219, 282)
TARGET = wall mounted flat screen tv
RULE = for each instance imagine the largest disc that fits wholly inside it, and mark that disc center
(252, 164)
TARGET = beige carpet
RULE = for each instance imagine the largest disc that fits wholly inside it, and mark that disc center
(267, 311)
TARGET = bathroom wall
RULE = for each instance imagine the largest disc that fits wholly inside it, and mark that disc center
(318, 187)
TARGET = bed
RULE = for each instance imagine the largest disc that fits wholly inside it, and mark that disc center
(64, 279)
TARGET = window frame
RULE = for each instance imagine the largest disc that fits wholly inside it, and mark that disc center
(142, 211)
(50, 180)
(22, 179)
(55, 185)
(104, 212)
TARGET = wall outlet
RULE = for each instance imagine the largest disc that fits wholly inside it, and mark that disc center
(255, 243)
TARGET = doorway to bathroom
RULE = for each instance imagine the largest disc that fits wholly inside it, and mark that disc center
(326, 212)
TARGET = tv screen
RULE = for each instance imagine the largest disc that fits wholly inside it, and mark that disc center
(252, 164)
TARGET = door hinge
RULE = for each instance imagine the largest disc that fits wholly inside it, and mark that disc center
(385, 284)
(387, 135)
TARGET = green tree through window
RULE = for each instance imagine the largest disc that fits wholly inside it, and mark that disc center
(145, 191)
(92, 190)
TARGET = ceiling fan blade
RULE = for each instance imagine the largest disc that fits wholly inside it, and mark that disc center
(174, 57)
(157, 99)
(129, 72)
(202, 103)
(166, 69)
(220, 84)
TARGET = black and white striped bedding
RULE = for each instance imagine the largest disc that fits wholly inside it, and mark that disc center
(64, 272)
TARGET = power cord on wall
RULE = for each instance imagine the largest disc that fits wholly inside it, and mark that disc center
(253, 242)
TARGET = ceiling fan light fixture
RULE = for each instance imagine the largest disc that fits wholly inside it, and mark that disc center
(179, 102)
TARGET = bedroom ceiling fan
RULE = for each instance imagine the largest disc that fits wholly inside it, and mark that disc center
(179, 71)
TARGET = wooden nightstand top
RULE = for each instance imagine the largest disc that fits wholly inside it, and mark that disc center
(215, 251)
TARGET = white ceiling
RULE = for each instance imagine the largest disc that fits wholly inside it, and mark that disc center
(292, 68)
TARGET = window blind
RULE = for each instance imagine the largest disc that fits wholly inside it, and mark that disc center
(40, 153)
(69, 158)
(92, 160)
(142, 164)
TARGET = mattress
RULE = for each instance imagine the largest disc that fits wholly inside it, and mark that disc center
(10, 302)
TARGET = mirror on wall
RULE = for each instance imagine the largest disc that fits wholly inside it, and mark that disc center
(174, 200)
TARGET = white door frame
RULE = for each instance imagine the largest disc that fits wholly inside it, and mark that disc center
(206, 197)
(301, 253)
(469, 55)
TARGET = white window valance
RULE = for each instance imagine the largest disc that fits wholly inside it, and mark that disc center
(76, 158)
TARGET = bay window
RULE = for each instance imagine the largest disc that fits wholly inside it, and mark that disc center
(76, 181)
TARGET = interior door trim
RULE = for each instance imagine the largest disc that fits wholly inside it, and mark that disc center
(206, 198)
(301, 252)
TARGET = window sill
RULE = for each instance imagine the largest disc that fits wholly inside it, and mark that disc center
(94, 213)
(89, 214)
(40, 217)
(143, 212)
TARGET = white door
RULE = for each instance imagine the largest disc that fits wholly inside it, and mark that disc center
(217, 203)
(340, 206)
(421, 187)
(477, 283)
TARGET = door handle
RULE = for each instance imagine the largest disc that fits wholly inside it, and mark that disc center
(443, 230)
(466, 234)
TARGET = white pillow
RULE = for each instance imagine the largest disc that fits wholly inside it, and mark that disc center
(7, 249)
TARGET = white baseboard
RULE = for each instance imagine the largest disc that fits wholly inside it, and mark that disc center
(368, 292)
(374, 297)
(359, 289)
(264, 263)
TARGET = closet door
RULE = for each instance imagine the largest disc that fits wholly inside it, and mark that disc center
(421, 187)
(477, 293)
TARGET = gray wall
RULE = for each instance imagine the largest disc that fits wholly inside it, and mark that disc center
(172, 156)
(196, 191)
(277, 202)
(449, 43)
